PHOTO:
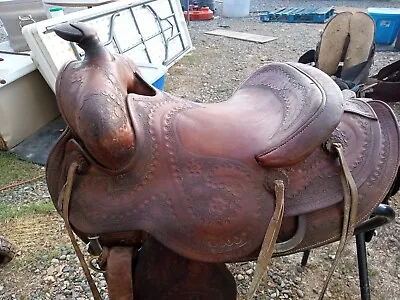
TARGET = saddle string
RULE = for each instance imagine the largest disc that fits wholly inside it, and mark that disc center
(66, 196)
(269, 241)
(350, 199)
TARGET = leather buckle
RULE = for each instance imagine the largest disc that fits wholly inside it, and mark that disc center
(366, 89)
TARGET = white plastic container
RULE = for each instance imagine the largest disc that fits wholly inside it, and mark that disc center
(236, 8)
(26, 101)
(56, 12)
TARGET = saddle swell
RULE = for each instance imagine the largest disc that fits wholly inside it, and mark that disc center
(91, 96)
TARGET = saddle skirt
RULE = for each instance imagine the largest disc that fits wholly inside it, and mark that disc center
(199, 177)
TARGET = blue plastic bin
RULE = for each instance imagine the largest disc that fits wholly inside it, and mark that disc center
(160, 83)
(154, 74)
(387, 22)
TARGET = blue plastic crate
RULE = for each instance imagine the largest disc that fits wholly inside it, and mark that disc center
(298, 15)
(387, 21)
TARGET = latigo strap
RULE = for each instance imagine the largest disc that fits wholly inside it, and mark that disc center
(350, 196)
(271, 235)
(65, 195)
(119, 273)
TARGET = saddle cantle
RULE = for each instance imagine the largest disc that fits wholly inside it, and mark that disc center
(200, 178)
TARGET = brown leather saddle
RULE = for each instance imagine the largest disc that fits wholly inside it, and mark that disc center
(202, 179)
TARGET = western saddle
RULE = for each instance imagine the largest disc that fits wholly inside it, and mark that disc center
(288, 163)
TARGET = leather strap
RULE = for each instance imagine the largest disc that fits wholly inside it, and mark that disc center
(119, 273)
(270, 237)
(66, 197)
(348, 182)
(350, 195)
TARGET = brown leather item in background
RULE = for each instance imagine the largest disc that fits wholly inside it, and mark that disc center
(199, 178)
(7, 251)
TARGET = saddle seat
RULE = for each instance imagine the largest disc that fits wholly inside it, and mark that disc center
(278, 116)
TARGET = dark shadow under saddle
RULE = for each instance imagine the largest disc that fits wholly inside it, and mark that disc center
(200, 178)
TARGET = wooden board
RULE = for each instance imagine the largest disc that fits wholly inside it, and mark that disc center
(242, 36)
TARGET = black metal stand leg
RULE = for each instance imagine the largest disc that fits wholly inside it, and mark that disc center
(304, 260)
(363, 266)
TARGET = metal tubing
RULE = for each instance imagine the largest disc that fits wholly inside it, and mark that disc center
(363, 267)
(304, 260)
(382, 215)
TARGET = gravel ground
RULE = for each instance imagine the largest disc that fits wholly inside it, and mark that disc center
(209, 74)
(24, 194)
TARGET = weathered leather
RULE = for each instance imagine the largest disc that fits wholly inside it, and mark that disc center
(195, 177)
(198, 177)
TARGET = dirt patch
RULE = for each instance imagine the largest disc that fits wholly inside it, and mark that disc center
(37, 239)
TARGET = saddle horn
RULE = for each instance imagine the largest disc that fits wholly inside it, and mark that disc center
(91, 95)
(82, 34)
